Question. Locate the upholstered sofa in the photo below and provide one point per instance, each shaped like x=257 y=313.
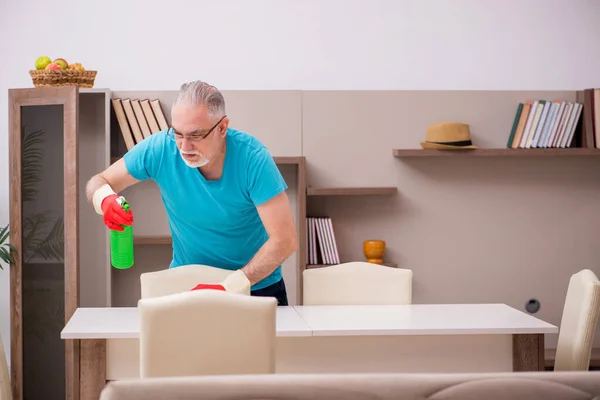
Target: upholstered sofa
x=488 y=386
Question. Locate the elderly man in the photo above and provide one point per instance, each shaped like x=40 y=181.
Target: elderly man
x=223 y=193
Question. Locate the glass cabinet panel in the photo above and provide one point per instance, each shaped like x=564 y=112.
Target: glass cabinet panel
x=42 y=251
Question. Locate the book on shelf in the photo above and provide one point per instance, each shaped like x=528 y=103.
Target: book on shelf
x=138 y=119
x=543 y=123
x=321 y=246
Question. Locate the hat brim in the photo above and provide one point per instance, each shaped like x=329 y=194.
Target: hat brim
x=428 y=145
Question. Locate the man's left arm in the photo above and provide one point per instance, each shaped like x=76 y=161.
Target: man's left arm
x=278 y=219
x=266 y=188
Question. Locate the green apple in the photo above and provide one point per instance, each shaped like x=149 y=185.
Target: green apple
x=42 y=62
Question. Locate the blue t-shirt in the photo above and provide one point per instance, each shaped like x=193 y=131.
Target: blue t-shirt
x=212 y=222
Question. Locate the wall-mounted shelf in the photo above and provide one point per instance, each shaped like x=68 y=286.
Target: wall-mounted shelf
x=350 y=191
x=288 y=160
x=152 y=239
x=499 y=152
x=387 y=264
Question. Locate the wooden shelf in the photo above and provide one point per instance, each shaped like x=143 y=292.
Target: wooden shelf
x=500 y=152
x=152 y=240
x=387 y=264
x=289 y=160
x=350 y=191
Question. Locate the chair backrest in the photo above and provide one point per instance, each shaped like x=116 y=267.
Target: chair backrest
x=179 y=279
x=357 y=283
x=578 y=322
x=207 y=332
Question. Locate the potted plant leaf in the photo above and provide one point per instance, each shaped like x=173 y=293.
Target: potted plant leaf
x=6 y=255
x=6 y=249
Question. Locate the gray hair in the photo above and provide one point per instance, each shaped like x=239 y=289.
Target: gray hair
x=198 y=93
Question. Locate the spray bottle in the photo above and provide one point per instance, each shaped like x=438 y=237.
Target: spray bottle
x=121 y=243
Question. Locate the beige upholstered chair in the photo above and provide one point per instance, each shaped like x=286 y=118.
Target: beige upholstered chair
x=357 y=283
x=180 y=279
x=5 y=388
x=578 y=323
x=207 y=332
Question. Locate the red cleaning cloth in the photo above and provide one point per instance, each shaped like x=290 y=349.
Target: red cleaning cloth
x=201 y=286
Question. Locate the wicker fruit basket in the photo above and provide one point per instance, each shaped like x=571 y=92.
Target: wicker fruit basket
x=67 y=77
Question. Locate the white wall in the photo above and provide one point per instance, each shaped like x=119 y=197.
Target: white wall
x=308 y=44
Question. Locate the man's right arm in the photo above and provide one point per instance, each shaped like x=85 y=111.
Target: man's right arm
x=141 y=162
x=112 y=180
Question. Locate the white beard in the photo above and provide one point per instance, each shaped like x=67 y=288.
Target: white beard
x=194 y=164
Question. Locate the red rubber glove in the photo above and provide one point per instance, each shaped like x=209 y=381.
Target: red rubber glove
x=202 y=286
x=114 y=214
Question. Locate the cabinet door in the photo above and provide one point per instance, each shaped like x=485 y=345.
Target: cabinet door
x=43 y=126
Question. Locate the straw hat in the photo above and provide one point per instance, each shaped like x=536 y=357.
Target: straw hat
x=448 y=135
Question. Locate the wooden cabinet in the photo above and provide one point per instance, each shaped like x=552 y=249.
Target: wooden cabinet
x=50 y=131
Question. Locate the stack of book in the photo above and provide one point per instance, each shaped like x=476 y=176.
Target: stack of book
x=544 y=124
x=321 y=246
x=555 y=123
x=138 y=119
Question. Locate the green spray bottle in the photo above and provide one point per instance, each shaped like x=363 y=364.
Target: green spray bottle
x=121 y=243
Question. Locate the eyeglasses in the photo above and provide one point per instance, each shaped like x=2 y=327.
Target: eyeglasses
x=194 y=137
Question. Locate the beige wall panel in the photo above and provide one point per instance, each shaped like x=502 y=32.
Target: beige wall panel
x=274 y=117
x=481 y=229
x=149 y=213
x=94 y=266
x=357 y=130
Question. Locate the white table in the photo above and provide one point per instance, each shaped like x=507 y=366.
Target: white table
x=403 y=338
x=421 y=319
x=124 y=323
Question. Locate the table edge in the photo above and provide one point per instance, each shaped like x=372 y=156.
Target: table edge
x=310 y=331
